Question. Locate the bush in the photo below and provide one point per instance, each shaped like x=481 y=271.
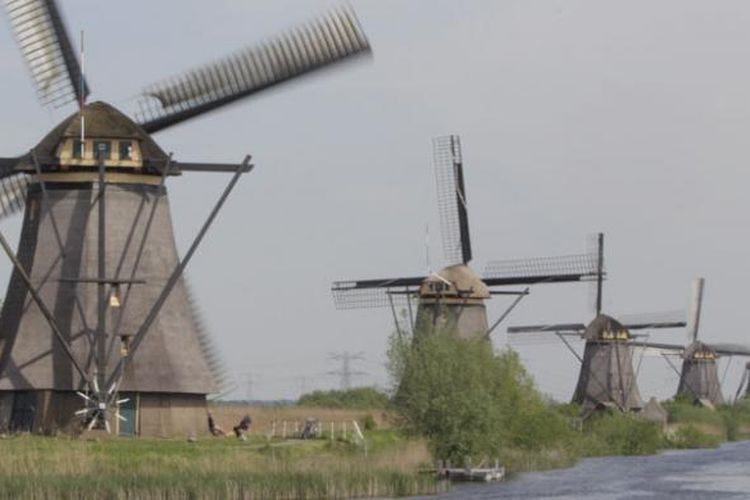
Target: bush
x=369 y=423
x=621 y=434
x=469 y=401
x=689 y=436
x=359 y=398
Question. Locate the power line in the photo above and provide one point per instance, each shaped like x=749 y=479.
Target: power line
x=345 y=372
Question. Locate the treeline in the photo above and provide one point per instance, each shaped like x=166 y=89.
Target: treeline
x=361 y=398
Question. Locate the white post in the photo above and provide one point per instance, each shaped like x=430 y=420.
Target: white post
x=273 y=429
x=332 y=431
x=284 y=430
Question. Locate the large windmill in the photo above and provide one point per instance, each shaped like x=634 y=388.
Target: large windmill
x=699 y=377
x=454 y=297
x=607 y=378
x=97 y=313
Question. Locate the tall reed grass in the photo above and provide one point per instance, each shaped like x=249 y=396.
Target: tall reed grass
x=44 y=467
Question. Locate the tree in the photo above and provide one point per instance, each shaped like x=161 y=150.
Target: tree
x=466 y=399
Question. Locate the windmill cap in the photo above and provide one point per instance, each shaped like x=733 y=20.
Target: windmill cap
x=605 y=327
x=462 y=279
x=101 y=121
x=699 y=350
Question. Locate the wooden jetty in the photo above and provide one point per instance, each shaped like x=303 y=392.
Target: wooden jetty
x=486 y=475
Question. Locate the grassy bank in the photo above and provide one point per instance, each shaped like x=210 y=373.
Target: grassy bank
x=44 y=467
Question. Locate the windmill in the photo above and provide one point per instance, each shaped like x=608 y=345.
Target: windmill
x=699 y=377
x=97 y=311
x=607 y=378
x=454 y=298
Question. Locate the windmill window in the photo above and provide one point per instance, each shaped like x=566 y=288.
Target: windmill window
x=126 y=150
x=102 y=150
x=77 y=149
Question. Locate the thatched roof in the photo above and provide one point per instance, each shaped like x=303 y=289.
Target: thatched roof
x=699 y=350
x=462 y=277
x=605 y=327
x=101 y=120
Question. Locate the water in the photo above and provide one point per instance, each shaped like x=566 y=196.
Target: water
x=723 y=473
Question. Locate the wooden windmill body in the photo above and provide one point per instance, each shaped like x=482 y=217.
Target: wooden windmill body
x=607 y=377
x=98 y=328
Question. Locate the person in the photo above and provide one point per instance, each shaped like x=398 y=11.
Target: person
x=214 y=429
x=240 y=430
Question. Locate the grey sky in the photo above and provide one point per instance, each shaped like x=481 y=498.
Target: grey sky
x=628 y=117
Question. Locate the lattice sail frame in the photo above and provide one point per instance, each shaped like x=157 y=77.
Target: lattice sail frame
x=579 y=264
x=13 y=194
x=331 y=38
x=451 y=198
x=345 y=298
x=43 y=40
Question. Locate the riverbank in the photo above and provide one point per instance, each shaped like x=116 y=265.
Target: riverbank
x=676 y=474
x=268 y=465
x=60 y=467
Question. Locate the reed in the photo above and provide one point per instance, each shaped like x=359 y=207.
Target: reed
x=45 y=467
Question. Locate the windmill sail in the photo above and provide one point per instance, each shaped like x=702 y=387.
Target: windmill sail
x=13 y=194
x=41 y=35
x=333 y=38
x=451 y=195
x=564 y=268
x=366 y=294
x=633 y=322
x=695 y=310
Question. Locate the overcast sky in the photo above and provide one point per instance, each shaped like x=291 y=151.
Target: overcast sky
x=627 y=117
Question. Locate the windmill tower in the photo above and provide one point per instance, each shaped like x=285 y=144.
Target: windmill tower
x=744 y=384
x=607 y=378
x=453 y=298
x=97 y=312
x=699 y=376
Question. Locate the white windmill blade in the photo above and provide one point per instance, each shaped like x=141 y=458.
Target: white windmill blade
x=83 y=396
x=695 y=310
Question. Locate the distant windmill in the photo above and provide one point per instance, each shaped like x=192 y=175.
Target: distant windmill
x=454 y=297
x=607 y=377
x=699 y=378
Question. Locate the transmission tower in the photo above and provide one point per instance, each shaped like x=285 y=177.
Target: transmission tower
x=345 y=372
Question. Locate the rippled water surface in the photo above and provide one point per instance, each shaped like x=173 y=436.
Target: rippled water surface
x=723 y=473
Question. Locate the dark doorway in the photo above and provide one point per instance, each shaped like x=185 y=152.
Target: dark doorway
x=24 y=410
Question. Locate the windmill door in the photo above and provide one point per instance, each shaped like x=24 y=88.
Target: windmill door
x=128 y=412
x=24 y=410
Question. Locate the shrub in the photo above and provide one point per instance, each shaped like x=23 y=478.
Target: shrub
x=689 y=436
x=359 y=398
x=621 y=434
x=469 y=401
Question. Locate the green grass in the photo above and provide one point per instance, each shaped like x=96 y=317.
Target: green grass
x=44 y=467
